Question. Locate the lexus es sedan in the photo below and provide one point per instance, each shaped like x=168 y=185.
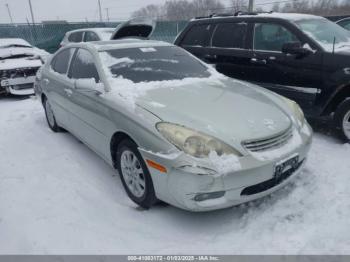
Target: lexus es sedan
x=174 y=128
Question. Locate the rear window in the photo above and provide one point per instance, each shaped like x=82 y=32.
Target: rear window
x=152 y=64
x=198 y=35
x=91 y=36
x=230 y=35
x=76 y=37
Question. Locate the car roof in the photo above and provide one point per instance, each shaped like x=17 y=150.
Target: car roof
x=94 y=29
x=119 y=44
x=283 y=16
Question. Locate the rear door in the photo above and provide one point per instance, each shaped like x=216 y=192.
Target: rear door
x=197 y=41
x=229 y=50
x=296 y=77
x=58 y=85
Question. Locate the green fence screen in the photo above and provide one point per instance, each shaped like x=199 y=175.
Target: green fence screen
x=49 y=35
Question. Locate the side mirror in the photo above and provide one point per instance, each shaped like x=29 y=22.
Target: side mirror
x=295 y=48
x=89 y=85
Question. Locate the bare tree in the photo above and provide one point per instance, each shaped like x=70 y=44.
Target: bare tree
x=149 y=11
x=238 y=5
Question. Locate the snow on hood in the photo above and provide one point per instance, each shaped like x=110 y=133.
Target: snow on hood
x=218 y=105
x=19 y=47
x=13 y=41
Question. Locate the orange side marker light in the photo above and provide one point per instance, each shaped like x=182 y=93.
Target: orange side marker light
x=157 y=166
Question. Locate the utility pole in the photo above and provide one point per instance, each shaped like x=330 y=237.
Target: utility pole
x=100 y=9
x=9 y=11
x=251 y=6
x=107 y=11
x=31 y=11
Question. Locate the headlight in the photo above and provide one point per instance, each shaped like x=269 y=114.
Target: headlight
x=193 y=142
x=298 y=113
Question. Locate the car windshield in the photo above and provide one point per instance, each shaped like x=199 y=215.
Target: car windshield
x=153 y=64
x=326 y=33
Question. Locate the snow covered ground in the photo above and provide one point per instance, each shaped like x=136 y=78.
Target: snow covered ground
x=58 y=197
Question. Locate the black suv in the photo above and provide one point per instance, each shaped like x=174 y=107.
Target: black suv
x=303 y=57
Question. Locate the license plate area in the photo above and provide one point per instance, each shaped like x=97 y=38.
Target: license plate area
x=18 y=81
x=286 y=168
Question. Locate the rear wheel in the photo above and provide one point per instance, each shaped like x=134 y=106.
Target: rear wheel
x=342 y=118
x=50 y=117
x=134 y=174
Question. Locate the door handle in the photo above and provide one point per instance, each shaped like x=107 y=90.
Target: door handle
x=69 y=92
x=210 y=57
x=258 y=61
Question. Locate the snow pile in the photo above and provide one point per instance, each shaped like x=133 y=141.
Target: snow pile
x=225 y=164
x=58 y=197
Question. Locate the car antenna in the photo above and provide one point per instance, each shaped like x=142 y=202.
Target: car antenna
x=334 y=45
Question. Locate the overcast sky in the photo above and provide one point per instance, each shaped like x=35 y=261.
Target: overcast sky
x=76 y=10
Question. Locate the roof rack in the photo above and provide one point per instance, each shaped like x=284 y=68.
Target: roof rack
x=238 y=13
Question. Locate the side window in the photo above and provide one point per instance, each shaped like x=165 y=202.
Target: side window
x=230 y=35
x=60 y=62
x=83 y=66
x=271 y=37
x=198 y=35
x=76 y=37
x=90 y=36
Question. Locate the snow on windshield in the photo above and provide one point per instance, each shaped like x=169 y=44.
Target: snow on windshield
x=132 y=72
x=326 y=33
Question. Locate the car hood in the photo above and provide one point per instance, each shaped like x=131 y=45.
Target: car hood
x=228 y=109
x=9 y=52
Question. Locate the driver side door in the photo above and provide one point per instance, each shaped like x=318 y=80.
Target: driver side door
x=89 y=113
x=296 y=77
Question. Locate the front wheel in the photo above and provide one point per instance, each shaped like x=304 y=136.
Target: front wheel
x=342 y=119
x=50 y=117
x=134 y=174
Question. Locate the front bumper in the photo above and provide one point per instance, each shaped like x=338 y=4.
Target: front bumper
x=19 y=86
x=186 y=186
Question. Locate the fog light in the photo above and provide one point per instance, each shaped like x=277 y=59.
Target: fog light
x=206 y=196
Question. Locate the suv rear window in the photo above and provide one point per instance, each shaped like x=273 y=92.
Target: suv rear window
x=230 y=35
x=198 y=35
x=76 y=37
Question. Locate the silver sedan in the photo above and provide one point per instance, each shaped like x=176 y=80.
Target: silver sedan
x=174 y=128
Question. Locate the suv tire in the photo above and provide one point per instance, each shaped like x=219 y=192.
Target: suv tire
x=342 y=120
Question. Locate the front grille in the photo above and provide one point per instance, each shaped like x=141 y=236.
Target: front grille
x=266 y=185
x=269 y=143
x=19 y=72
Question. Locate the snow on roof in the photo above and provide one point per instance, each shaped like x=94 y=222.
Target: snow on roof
x=94 y=29
x=126 y=43
x=286 y=16
x=13 y=41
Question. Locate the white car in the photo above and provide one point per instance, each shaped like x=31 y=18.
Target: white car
x=19 y=63
x=87 y=35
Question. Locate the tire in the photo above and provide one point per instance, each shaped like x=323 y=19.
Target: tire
x=50 y=117
x=342 y=120
x=134 y=174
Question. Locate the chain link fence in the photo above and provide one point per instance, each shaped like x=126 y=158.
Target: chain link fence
x=49 y=35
